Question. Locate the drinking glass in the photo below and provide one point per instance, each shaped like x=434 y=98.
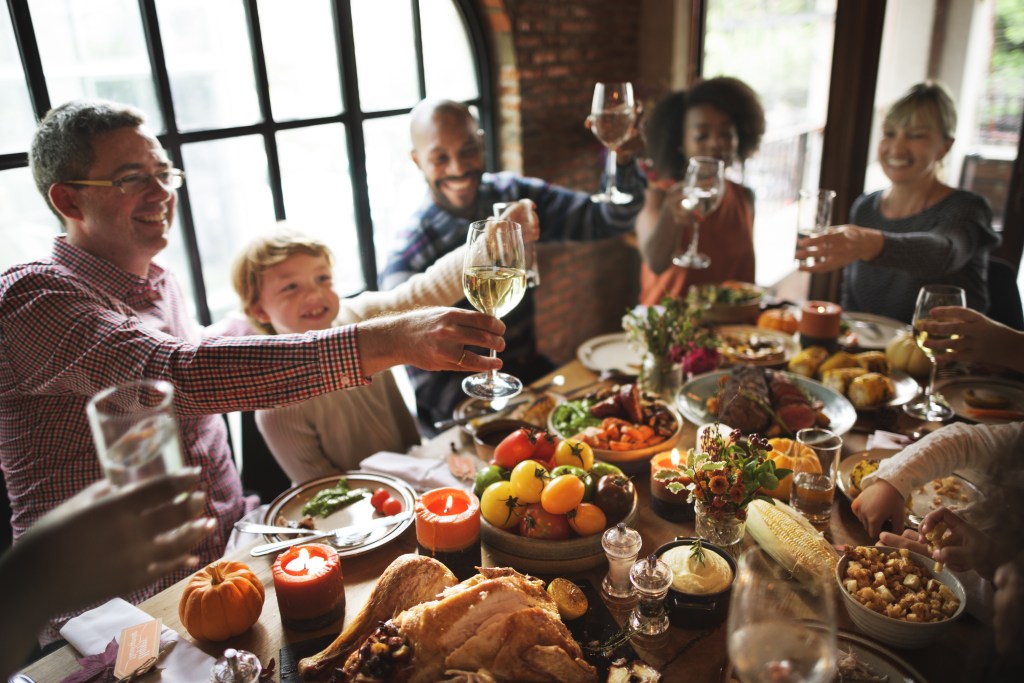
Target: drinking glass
x=932 y=406
x=494 y=279
x=814 y=488
x=705 y=185
x=612 y=115
x=780 y=630
x=532 y=270
x=814 y=216
x=135 y=430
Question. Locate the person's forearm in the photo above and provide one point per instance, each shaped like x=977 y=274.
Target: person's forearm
x=657 y=232
x=25 y=608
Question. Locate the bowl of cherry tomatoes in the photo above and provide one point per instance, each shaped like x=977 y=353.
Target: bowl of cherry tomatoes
x=545 y=502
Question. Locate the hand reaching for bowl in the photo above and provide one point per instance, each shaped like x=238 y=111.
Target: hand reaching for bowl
x=879 y=503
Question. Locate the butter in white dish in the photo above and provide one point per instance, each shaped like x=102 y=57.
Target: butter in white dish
x=691 y=575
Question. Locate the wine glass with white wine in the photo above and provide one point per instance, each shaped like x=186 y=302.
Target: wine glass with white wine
x=702 y=193
x=932 y=406
x=781 y=630
x=494 y=279
x=612 y=115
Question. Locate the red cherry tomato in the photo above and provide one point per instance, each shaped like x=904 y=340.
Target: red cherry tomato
x=391 y=506
x=378 y=498
x=514 y=448
x=539 y=523
x=544 y=448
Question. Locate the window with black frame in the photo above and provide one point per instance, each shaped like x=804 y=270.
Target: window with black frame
x=274 y=109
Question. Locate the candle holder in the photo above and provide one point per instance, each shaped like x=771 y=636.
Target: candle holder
x=448 y=529
x=621 y=544
x=669 y=487
x=820 y=323
x=309 y=586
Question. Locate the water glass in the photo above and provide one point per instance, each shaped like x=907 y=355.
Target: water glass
x=814 y=215
x=135 y=430
x=814 y=488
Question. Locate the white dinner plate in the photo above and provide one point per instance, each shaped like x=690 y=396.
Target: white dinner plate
x=953 y=391
x=610 y=352
x=287 y=507
x=872 y=332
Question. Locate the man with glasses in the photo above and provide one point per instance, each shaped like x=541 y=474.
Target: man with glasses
x=448 y=148
x=99 y=312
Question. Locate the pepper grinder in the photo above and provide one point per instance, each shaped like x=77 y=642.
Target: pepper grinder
x=621 y=544
x=236 y=666
x=651 y=577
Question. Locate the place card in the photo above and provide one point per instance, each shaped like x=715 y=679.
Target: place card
x=138 y=648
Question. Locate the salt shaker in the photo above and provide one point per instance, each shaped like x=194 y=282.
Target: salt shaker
x=651 y=577
x=236 y=666
x=621 y=544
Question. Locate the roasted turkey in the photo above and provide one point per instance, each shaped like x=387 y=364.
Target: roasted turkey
x=498 y=625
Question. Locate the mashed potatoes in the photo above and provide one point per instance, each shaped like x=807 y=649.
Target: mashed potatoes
x=689 y=575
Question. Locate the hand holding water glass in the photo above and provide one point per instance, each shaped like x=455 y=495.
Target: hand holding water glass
x=612 y=115
x=932 y=406
x=780 y=630
x=135 y=430
x=814 y=216
x=702 y=193
x=494 y=279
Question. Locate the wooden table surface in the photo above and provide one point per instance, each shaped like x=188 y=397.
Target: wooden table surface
x=681 y=654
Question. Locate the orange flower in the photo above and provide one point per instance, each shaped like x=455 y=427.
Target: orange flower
x=719 y=484
x=736 y=493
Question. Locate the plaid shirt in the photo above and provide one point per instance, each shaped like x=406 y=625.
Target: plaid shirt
x=74 y=324
x=563 y=214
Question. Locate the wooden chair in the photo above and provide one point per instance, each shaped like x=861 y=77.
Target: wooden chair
x=1004 y=294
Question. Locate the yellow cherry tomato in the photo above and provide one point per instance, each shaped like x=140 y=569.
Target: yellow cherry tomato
x=527 y=481
x=587 y=519
x=499 y=506
x=575 y=453
x=562 y=494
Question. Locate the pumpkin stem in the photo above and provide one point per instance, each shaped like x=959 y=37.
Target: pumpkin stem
x=216 y=576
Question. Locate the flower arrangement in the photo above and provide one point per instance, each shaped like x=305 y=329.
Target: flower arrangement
x=672 y=331
x=726 y=474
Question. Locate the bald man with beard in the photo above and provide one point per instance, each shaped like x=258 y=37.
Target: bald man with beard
x=448 y=148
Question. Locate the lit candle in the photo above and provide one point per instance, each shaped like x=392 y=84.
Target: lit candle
x=819 y=323
x=666 y=503
x=448 y=529
x=309 y=586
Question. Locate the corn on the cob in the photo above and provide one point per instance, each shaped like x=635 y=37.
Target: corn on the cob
x=791 y=540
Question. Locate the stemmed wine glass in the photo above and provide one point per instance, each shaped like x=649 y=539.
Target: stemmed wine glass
x=702 y=193
x=780 y=629
x=612 y=115
x=932 y=406
x=494 y=278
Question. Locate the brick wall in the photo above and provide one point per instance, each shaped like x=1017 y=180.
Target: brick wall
x=547 y=56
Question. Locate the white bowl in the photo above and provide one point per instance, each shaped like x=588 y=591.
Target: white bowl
x=896 y=632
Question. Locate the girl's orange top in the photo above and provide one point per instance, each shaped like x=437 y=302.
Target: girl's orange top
x=726 y=236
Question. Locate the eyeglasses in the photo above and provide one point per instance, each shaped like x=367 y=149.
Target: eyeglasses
x=137 y=183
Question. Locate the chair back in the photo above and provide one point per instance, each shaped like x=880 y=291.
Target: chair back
x=260 y=472
x=1004 y=294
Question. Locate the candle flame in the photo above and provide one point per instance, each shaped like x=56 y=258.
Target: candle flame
x=675 y=457
x=447 y=505
x=821 y=309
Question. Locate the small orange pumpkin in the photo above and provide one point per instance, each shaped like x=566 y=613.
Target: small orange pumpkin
x=223 y=600
x=783 y=457
x=781 y=319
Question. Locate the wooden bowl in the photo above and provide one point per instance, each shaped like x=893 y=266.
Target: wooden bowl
x=488 y=435
x=538 y=556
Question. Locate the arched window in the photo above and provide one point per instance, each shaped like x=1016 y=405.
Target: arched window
x=275 y=110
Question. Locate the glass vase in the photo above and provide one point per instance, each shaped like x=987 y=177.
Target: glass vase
x=721 y=527
x=660 y=376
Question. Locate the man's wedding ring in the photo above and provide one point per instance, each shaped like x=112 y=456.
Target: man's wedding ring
x=462 y=357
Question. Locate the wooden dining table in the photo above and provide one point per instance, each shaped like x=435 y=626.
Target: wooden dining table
x=680 y=653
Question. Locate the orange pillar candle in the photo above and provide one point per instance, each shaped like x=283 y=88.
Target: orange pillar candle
x=819 y=323
x=448 y=529
x=666 y=503
x=309 y=586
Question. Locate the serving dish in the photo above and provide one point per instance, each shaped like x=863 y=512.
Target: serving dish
x=693 y=611
x=906 y=388
x=730 y=302
x=693 y=397
x=528 y=407
x=871 y=332
x=287 y=508
x=750 y=345
x=893 y=631
x=541 y=556
x=954 y=391
x=610 y=352
x=635 y=461
x=923 y=499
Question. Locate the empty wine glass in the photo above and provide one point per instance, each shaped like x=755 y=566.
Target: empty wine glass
x=494 y=278
x=702 y=193
x=612 y=115
x=932 y=406
x=781 y=630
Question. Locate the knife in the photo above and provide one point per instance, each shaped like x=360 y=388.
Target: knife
x=268 y=548
x=253 y=528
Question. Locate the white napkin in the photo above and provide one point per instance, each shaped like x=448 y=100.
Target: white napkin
x=882 y=439
x=91 y=632
x=422 y=474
